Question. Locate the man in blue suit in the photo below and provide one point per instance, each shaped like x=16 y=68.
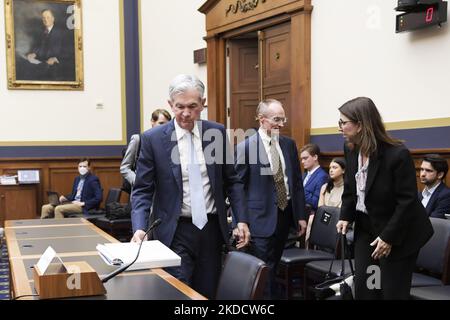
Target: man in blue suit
x=435 y=196
x=185 y=170
x=314 y=177
x=86 y=194
x=269 y=166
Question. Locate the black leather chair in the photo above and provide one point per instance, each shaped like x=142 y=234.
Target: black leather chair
x=431 y=293
x=113 y=196
x=322 y=240
x=120 y=229
x=243 y=277
x=433 y=262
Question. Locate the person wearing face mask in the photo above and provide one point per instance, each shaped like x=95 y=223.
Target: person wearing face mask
x=86 y=195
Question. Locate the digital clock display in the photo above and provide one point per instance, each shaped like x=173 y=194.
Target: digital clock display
x=427 y=16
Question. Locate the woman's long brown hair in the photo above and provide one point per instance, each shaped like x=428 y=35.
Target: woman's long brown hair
x=362 y=110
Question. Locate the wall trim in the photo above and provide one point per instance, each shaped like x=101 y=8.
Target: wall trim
x=129 y=48
x=399 y=125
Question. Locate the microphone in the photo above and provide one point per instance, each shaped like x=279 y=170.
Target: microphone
x=155 y=223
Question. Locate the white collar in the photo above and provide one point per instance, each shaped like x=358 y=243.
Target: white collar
x=312 y=171
x=266 y=138
x=432 y=189
x=181 y=132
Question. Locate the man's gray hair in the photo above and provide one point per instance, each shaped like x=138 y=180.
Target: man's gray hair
x=264 y=105
x=185 y=82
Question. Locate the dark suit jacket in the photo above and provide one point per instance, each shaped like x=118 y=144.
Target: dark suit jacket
x=260 y=189
x=50 y=45
x=439 y=203
x=395 y=213
x=313 y=186
x=91 y=194
x=157 y=174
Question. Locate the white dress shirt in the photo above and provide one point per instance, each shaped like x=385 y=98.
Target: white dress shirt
x=266 y=142
x=183 y=148
x=427 y=193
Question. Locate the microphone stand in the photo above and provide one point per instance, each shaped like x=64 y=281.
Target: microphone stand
x=155 y=223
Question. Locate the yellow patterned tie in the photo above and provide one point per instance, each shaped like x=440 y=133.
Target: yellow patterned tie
x=278 y=176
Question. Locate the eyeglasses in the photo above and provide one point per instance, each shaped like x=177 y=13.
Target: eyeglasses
x=342 y=123
x=278 y=120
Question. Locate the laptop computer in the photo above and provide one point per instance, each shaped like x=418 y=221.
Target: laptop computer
x=53 y=199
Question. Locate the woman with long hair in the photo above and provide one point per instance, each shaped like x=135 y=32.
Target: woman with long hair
x=380 y=197
x=330 y=192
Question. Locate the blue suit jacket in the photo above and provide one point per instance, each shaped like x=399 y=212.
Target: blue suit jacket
x=260 y=188
x=91 y=194
x=439 y=203
x=313 y=186
x=158 y=174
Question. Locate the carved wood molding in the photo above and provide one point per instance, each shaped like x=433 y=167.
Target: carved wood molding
x=243 y=6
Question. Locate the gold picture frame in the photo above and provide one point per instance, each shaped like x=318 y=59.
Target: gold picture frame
x=44 y=44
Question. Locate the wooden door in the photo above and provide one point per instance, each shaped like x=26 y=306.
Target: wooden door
x=244 y=83
x=276 y=68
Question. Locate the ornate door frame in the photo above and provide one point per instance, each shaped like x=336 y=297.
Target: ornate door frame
x=230 y=18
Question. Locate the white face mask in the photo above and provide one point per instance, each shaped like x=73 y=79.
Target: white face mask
x=83 y=170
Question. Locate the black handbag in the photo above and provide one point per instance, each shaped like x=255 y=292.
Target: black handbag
x=339 y=286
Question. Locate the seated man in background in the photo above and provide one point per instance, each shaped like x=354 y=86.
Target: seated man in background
x=86 y=194
x=435 y=196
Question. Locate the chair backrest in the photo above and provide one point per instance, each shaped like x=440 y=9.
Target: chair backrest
x=323 y=229
x=243 y=277
x=435 y=254
x=113 y=195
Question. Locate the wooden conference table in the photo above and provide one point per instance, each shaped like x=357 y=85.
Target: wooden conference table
x=75 y=239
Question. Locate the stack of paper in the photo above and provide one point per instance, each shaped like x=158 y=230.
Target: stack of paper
x=154 y=254
x=8 y=180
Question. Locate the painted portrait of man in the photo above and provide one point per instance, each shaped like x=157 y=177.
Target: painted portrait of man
x=44 y=35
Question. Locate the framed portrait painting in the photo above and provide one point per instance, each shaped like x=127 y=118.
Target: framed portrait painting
x=44 y=45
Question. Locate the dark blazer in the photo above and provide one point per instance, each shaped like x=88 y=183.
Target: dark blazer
x=313 y=186
x=393 y=206
x=91 y=194
x=439 y=203
x=158 y=173
x=50 y=45
x=260 y=188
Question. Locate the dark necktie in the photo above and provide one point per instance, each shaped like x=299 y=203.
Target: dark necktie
x=278 y=176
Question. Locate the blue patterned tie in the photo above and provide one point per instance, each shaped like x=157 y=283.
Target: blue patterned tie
x=198 y=207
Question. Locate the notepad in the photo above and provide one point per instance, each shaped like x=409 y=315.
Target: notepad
x=154 y=254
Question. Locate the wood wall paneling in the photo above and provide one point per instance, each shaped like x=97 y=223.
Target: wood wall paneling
x=417 y=155
x=58 y=174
